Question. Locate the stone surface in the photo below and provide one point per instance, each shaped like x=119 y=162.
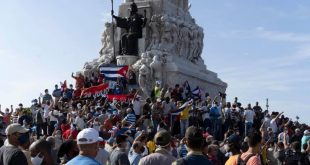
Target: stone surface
x=169 y=50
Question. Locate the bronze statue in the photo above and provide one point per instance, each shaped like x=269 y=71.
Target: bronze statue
x=133 y=25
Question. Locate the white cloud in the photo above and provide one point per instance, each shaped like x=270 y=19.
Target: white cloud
x=261 y=32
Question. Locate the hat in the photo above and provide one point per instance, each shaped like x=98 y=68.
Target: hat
x=297 y=130
x=158 y=100
x=162 y=138
x=306 y=132
x=88 y=136
x=233 y=139
x=13 y=128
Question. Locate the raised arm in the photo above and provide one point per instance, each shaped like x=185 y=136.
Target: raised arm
x=11 y=109
x=1 y=111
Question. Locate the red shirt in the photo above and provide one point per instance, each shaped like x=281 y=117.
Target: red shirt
x=70 y=134
x=64 y=127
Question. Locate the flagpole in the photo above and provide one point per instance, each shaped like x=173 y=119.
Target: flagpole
x=113 y=32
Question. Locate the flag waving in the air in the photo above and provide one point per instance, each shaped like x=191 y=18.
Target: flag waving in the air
x=113 y=72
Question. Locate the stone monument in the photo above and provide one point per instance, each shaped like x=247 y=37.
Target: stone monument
x=168 y=49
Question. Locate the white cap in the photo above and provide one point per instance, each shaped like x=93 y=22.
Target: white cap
x=306 y=132
x=88 y=136
x=13 y=128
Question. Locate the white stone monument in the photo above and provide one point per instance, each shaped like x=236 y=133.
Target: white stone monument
x=169 y=51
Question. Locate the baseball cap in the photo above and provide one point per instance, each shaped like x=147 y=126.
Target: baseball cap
x=13 y=128
x=162 y=138
x=88 y=136
x=306 y=132
x=233 y=139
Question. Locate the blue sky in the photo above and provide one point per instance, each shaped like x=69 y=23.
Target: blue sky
x=260 y=48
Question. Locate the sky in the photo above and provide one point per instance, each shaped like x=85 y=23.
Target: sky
x=260 y=48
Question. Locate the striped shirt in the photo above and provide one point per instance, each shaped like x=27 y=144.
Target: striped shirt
x=130 y=118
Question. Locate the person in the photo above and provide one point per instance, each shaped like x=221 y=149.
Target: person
x=51 y=141
x=41 y=153
x=57 y=93
x=67 y=151
x=119 y=155
x=87 y=141
x=297 y=136
x=252 y=155
x=305 y=138
x=162 y=154
x=47 y=97
x=136 y=154
x=184 y=117
x=136 y=103
x=279 y=153
x=6 y=115
x=232 y=148
x=249 y=115
x=292 y=154
x=10 y=154
x=102 y=155
x=193 y=140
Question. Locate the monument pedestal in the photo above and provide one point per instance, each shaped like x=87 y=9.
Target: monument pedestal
x=126 y=60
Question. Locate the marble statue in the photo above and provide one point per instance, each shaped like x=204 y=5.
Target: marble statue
x=155 y=34
x=157 y=68
x=107 y=50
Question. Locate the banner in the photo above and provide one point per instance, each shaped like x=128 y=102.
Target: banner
x=96 y=91
x=117 y=97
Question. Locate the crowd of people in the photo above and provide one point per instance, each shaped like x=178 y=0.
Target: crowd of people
x=169 y=127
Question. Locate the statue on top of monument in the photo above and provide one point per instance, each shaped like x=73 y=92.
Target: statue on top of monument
x=133 y=25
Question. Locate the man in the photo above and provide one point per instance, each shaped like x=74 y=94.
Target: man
x=119 y=154
x=10 y=154
x=57 y=93
x=305 y=138
x=297 y=136
x=162 y=155
x=41 y=153
x=6 y=115
x=136 y=105
x=46 y=97
x=249 y=119
x=184 y=118
x=194 y=140
x=102 y=155
x=87 y=141
x=136 y=153
x=252 y=156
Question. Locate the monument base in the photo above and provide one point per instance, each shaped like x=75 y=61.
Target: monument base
x=126 y=60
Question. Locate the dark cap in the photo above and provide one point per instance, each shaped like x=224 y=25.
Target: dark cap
x=193 y=133
x=233 y=139
x=121 y=138
x=162 y=138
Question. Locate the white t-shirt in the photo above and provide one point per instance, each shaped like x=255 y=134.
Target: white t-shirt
x=167 y=107
x=136 y=107
x=249 y=115
x=206 y=114
x=79 y=122
x=46 y=111
x=274 y=126
x=281 y=138
x=53 y=117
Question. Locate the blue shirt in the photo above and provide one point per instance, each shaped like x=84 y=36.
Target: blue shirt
x=81 y=160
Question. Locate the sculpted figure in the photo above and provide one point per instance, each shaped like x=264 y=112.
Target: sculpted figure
x=155 y=38
x=133 y=26
x=157 y=68
x=144 y=77
x=185 y=41
x=107 y=51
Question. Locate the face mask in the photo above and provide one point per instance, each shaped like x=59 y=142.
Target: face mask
x=226 y=148
x=23 y=138
x=37 y=160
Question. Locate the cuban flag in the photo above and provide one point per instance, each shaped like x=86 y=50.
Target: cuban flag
x=182 y=108
x=196 y=93
x=113 y=72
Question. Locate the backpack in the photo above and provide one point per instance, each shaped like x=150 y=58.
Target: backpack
x=245 y=161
